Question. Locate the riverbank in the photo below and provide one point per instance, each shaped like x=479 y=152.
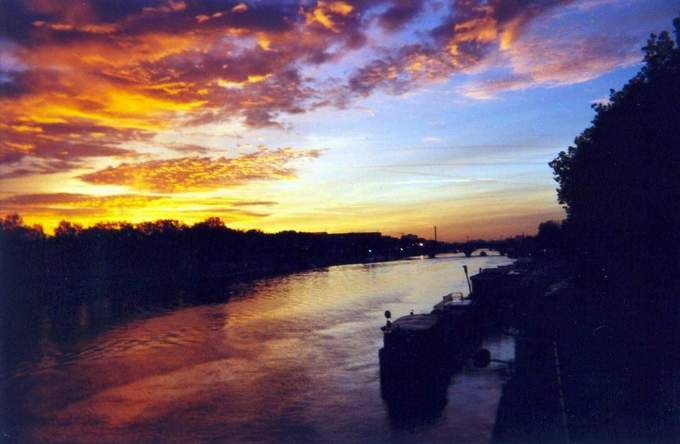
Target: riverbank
x=582 y=375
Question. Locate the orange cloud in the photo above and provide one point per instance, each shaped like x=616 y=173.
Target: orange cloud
x=136 y=70
x=50 y=208
x=152 y=68
x=241 y=7
x=85 y=84
x=328 y=14
x=472 y=31
x=202 y=173
x=549 y=62
x=73 y=200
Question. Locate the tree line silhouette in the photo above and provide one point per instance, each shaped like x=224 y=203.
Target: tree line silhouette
x=172 y=252
x=620 y=186
x=618 y=328
x=169 y=252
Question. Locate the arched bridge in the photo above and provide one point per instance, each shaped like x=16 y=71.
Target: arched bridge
x=503 y=247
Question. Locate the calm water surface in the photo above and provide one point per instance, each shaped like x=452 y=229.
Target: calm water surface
x=290 y=359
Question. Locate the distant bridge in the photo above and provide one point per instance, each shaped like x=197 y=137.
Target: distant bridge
x=467 y=248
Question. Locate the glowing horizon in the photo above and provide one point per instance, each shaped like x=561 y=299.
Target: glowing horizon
x=390 y=115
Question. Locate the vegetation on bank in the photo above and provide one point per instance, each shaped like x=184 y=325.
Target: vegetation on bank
x=171 y=253
x=620 y=186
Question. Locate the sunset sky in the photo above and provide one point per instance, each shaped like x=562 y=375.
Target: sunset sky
x=382 y=115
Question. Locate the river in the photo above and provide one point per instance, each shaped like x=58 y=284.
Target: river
x=283 y=359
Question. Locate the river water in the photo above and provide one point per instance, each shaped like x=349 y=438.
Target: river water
x=284 y=359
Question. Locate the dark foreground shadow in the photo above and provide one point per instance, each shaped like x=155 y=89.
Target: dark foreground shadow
x=530 y=408
x=415 y=400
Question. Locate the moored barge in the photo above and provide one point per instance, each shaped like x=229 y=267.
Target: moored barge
x=421 y=350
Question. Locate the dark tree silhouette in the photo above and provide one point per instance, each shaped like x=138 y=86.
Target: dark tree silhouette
x=548 y=240
x=620 y=184
x=169 y=252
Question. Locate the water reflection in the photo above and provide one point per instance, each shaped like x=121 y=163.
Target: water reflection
x=290 y=358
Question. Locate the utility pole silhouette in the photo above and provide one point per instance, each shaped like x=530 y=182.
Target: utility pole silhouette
x=433 y=249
